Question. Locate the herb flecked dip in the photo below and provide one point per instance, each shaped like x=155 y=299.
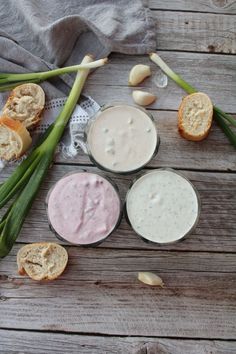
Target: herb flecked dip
x=162 y=206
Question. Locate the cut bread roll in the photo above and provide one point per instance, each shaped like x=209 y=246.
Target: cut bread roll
x=25 y=104
x=42 y=261
x=14 y=139
x=195 y=116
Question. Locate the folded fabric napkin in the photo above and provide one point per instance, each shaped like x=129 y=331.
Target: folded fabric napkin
x=38 y=35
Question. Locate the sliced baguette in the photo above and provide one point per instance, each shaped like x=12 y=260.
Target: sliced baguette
x=42 y=261
x=195 y=116
x=14 y=139
x=25 y=104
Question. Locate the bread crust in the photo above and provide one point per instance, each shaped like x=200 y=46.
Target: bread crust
x=25 y=104
x=188 y=126
x=22 y=137
x=34 y=260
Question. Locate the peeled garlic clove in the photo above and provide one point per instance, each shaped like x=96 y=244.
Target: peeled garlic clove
x=143 y=98
x=150 y=279
x=138 y=73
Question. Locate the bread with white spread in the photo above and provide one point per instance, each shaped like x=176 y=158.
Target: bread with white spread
x=195 y=116
x=42 y=261
x=14 y=139
x=25 y=104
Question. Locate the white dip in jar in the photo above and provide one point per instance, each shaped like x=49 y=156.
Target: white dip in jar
x=162 y=206
x=122 y=138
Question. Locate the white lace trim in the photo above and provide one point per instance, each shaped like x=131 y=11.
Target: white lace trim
x=73 y=137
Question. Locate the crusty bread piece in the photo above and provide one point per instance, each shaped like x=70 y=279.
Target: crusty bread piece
x=25 y=104
x=14 y=138
x=195 y=116
x=42 y=261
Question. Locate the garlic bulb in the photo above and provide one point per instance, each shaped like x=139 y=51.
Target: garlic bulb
x=150 y=279
x=143 y=98
x=138 y=73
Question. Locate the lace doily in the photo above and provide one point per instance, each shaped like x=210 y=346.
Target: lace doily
x=72 y=139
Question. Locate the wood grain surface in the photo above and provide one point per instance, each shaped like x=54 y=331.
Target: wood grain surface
x=210 y=154
x=210 y=73
x=14 y=342
x=212 y=6
x=196 y=32
x=100 y=293
x=98 y=305
x=216 y=231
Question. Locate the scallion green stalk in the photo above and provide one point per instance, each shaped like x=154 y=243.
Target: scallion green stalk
x=27 y=178
x=223 y=119
x=10 y=80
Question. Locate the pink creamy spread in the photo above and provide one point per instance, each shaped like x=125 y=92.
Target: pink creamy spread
x=83 y=208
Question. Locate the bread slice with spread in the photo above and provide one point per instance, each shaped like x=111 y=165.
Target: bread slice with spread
x=42 y=261
x=25 y=104
x=14 y=139
x=195 y=116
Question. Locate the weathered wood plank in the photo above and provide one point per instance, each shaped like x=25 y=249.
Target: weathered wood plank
x=209 y=73
x=216 y=230
x=214 y=153
x=94 y=263
x=215 y=6
x=99 y=293
x=175 y=151
x=40 y=343
x=197 y=32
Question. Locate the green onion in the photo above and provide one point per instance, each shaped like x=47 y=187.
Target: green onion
x=224 y=120
x=29 y=175
x=10 y=80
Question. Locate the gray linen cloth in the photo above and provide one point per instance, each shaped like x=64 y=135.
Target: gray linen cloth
x=37 y=35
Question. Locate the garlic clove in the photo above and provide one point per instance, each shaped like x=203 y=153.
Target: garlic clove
x=150 y=279
x=143 y=98
x=138 y=73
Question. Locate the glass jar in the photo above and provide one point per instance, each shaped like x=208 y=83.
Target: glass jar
x=84 y=208
x=163 y=211
x=121 y=138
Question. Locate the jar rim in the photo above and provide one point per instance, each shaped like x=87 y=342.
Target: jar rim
x=96 y=116
x=193 y=227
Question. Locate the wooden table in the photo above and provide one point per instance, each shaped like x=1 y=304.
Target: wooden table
x=98 y=305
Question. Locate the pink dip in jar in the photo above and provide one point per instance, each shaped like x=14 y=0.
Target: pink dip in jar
x=83 y=208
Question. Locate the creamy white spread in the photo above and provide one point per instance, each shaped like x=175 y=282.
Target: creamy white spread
x=83 y=208
x=162 y=206
x=122 y=138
